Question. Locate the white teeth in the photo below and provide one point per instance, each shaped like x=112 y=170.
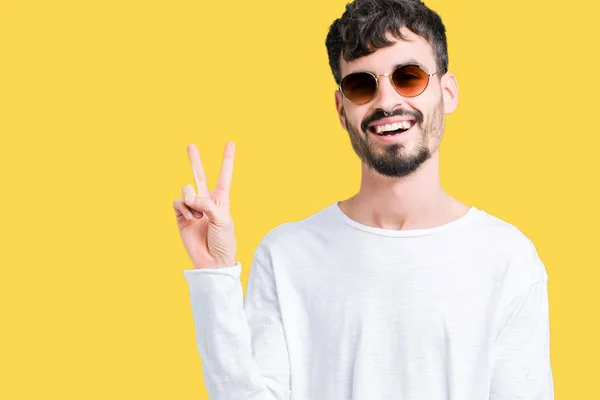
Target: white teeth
x=392 y=127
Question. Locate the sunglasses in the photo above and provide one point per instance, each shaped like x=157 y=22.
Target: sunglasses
x=408 y=80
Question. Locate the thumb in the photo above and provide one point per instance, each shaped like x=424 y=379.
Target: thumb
x=202 y=204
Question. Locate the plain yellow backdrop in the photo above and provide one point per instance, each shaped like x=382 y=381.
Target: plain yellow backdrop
x=98 y=100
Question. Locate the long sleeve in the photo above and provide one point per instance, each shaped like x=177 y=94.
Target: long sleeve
x=241 y=342
x=521 y=353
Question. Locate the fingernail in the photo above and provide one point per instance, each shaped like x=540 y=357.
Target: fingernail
x=188 y=215
x=189 y=199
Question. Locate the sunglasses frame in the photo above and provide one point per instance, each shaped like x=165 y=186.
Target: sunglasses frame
x=389 y=75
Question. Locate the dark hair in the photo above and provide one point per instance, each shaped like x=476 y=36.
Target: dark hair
x=362 y=28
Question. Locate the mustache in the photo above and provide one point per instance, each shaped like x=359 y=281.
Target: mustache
x=381 y=114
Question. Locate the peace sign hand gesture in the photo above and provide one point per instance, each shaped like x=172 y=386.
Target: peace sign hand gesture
x=204 y=220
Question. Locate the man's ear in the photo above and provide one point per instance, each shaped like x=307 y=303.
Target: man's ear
x=339 y=105
x=449 y=92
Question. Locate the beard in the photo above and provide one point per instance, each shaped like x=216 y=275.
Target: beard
x=395 y=159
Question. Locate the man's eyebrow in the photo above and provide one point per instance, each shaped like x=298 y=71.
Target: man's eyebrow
x=410 y=61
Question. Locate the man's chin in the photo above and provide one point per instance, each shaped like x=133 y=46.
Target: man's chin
x=398 y=165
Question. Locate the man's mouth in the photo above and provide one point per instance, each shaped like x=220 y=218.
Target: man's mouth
x=391 y=129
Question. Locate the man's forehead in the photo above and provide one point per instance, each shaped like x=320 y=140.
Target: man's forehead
x=415 y=49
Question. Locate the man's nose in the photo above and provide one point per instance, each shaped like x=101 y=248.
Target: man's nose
x=387 y=97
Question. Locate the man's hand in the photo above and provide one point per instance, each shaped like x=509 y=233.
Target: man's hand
x=204 y=220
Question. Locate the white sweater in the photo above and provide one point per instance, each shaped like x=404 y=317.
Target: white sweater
x=337 y=310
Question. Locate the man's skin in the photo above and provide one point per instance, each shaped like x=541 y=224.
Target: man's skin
x=401 y=202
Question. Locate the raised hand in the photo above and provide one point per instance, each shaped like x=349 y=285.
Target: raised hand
x=204 y=220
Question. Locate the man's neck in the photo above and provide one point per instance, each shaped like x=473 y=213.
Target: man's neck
x=416 y=201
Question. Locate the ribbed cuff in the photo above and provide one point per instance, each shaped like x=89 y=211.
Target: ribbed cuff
x=233 y=271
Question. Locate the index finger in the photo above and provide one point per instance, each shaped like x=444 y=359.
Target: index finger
x=197 y=170
x=224 y=183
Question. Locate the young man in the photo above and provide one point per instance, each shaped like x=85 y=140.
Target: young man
x=399 y=292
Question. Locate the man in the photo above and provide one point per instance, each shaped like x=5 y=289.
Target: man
x=399 y=292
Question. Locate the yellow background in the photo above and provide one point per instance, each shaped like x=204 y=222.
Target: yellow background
x=98 y=100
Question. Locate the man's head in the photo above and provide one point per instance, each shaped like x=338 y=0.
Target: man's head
x=374 y=36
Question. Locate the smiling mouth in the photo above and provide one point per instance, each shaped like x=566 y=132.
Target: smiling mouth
x=391 y=129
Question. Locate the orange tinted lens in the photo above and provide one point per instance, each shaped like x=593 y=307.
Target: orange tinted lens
x=359 y=87
x=410 y=80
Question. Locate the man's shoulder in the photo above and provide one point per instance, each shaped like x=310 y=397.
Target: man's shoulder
x=514 y=248
x=296 y=232
x=501 y=233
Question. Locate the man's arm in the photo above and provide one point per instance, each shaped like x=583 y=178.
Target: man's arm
x=521 y=354
x=241 y=343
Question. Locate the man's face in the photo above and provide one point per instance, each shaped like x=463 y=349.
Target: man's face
x=401 y=154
